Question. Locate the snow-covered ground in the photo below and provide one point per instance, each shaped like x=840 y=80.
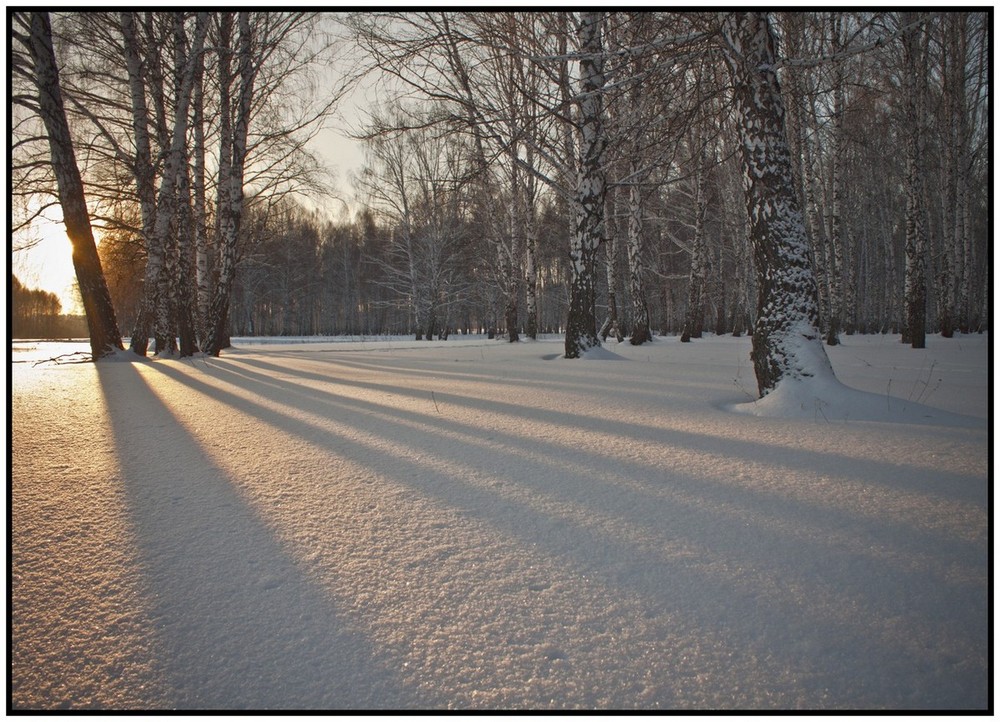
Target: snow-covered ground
x=473 y=524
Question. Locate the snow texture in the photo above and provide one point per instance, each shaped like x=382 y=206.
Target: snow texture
x=475 y=525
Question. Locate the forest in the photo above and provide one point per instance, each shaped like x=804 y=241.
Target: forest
x=590 y=173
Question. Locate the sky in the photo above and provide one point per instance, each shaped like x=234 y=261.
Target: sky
x=48 y=265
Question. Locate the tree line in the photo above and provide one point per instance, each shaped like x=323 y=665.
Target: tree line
x=35 y=313
x=596 y=174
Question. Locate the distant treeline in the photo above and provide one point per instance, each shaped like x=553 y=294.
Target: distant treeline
x=35 y=313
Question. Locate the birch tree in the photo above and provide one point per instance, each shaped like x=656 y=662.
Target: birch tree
x=914 y=83
x=786 y=337
x=230 y=192
x=155 y=313
x=699 y=252
x=588 y=206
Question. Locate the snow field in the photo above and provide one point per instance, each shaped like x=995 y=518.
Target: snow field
x=473 y=524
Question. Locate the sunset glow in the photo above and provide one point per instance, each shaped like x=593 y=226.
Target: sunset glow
x=49 y=265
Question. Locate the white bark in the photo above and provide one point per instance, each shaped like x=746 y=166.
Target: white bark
x=581 y=331
x=231 y=192
x=173 y=168
x=637 y=290
x=914 y=80
x=786 y=338
x=202 y=240
x=145 y=184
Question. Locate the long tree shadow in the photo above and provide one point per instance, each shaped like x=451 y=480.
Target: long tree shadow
x=549 y=458
x=696 y=590
x=952 y=486
x=240 y=625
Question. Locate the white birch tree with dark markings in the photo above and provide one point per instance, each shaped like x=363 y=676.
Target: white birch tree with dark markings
x=786 y=336
x=588 y=205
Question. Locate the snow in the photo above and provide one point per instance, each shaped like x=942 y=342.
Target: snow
x=472 y=524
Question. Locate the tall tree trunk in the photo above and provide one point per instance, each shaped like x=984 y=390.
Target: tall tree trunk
x=145 y=184
x=581 y=329
x=154 y=312
x=202 y=240
x=530 y=271
x=509 y=253
x=231 y=210
x=915 y=285
x=960 y=242
x=640 y=311
x=153 y=73
x=786 y=338
x=612 y=324
x=698 y=276
x=946 y=251
x=105 y=337
x=836 y=266
x=803 y=165
x=183 y=296
x=174 y=175
x=851 y=304
x=817 y=233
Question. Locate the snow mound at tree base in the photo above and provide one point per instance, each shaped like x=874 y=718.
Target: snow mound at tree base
x=824 y=398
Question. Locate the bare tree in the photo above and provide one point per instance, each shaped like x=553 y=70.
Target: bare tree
x=697 y=284
x=581 y=330
x=915 y=83
x=786 y=337
x=36 y=35
x=156 y=311
x=414 y=179
x=230 y=204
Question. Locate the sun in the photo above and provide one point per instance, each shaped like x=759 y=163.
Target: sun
x=48 y=264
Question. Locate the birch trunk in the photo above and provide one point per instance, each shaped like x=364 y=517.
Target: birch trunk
x=144 y=176
x=531 y=271
x=836 y=266
x=960 y=241
x=104 y=335
x=183 y=287
x=800 y=143
x=174 y=168
x=202 y=240
x=640 y=311
x=698 y=277
x=612 y=324
x=581 y=331
x=507 y=254
x=786 y=338
x=915 y=288
x=816 y=233
x=231 y=204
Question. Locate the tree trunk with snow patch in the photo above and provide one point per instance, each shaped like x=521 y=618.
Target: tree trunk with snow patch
x=786 y=337
x=612 y=324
